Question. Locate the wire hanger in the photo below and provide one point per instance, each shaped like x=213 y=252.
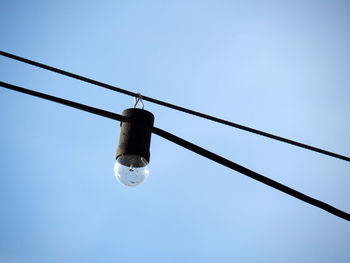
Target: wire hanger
x=138 y=99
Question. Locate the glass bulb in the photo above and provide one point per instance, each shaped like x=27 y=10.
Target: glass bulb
x=131 y=169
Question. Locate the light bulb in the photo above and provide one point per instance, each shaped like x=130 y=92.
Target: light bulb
x=131 y=169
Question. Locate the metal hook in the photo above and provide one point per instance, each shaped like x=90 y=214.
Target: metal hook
x=137 y=100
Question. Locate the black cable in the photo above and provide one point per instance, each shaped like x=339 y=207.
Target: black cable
x=175 y=107
x=69 y=103
x=194 y=148
x=265 y=180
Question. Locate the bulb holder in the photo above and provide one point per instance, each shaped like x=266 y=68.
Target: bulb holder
x=135 y=134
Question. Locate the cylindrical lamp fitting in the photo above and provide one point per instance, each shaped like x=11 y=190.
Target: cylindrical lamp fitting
x=135 y=134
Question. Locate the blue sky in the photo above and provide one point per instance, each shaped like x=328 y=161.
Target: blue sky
x=278 y=66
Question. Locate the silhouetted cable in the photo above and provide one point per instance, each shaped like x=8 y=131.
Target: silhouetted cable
x=69 y=103
x=192 y=147
x=196 y=113
x=254 y=175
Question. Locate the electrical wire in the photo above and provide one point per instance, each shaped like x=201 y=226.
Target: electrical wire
x=175 y=107
x=254 y=175
x=194 y=148
x=69 y=103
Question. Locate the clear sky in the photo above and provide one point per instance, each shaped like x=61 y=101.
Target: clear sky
x=279 y=66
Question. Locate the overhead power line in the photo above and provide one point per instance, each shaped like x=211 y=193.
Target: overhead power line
x=175 y=107
x=69 y=103
x=192 y=147
x=254 y=175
